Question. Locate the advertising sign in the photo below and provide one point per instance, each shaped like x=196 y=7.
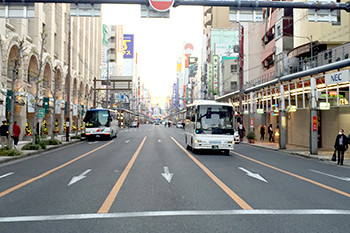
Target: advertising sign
x=128 y=46
x=216 y=73
x=161 y=5
x=210 y=77
x=120 y=45
x=337 y=77
x=314 y=123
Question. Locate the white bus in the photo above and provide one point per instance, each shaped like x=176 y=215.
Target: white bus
x=101 y=123
x=209 y=125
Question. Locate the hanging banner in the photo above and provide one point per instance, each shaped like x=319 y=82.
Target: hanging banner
x=75 y=110
x=31 y=99
x=58 y=107
x=46 y=105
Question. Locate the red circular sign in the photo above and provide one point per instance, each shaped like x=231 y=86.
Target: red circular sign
x=161 y=5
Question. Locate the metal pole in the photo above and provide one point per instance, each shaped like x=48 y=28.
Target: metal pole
x=283 y=121
x=68 y=80
x=94 y=92
x=107 y=82
x=313 y=120
x=241 y=74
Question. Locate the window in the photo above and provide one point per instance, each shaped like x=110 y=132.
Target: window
x=233 y=68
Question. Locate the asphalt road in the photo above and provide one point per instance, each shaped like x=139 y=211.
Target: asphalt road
x=145 y=181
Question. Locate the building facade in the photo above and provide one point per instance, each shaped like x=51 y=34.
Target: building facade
x=52 y=68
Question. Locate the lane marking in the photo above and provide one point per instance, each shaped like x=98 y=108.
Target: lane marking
x=90 y=143
x=254 y=175
x=173 y=213
x=326 y=174
x=76 y=179
x=50 y=171
x=115 y=190
x=294 y=175
x=7 y=174
x=127 y=141
x=167 y=175
x=224 y=187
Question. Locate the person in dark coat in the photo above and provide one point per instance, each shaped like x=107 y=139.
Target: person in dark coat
x=262 y=132
x=270 y=132
x=341 y=145
x=4 y=134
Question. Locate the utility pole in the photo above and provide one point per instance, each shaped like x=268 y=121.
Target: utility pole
x=68 y=80
x=107 y=82
x=241 y=28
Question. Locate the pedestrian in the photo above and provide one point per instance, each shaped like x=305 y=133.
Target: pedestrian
x=16 y=133
x=341 y=145
x=241 y=131
x=262 y=132
x=270 y=132
x=4 y=134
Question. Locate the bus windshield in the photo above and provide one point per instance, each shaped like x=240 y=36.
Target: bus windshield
x=96 y=119
x=214 y=119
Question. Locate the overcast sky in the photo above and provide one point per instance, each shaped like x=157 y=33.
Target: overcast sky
x=158 y=42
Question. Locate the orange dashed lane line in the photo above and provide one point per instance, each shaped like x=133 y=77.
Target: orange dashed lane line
x=224 y=187
x=50 y=171
x=296 y=176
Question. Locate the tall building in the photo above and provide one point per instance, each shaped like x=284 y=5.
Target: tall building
x=53 y=20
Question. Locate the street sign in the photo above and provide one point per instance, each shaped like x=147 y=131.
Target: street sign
x=161 y=5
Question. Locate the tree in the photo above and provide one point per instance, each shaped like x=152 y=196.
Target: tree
x=14 y=92
x=54 y=96
x=37 y=80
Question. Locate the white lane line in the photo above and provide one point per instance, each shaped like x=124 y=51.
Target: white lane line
x=159 y=140
x=7 y=174
x=93 y=142
x=174 y=213
x=127 y=141
x=336 y=177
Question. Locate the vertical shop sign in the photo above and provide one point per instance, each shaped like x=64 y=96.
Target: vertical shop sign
x=128 y=46
x=210 y=77
x=215 y=74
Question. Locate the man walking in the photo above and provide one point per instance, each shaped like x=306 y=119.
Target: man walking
x=341 y=145
x=4 y=134
x=16 y=133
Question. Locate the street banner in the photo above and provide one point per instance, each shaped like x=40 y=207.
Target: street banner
x=30 y=105
x=58 y=107
x=46 y=105
x=215 y=74
x=210 y=77
x=75 y=110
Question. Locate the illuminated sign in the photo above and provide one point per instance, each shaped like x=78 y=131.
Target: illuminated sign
x=324 y=106
x=245 y=112
x=292 y=108
x=260 y=111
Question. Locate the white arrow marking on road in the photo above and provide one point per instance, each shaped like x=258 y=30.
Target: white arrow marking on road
x=159 y=140
x=8 y=174
x=254 y=175
x=80 y=177
x=127 y=141
x=168 y=176
x=337 y=177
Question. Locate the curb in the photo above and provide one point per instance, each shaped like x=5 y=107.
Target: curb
x=28 y=153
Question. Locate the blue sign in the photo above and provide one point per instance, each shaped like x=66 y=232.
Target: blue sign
x=128 y=46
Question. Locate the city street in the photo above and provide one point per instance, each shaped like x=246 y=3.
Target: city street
x=146 y=181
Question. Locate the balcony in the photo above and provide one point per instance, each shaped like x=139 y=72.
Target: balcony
x=268 y=51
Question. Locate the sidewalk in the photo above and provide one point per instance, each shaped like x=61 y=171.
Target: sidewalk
x=324 y=155
x=26 y=153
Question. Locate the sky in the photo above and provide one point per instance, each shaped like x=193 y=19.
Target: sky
x=158 y=42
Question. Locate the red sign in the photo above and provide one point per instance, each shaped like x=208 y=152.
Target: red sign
x=314 y=123
x=251 y=122
x=161 y=5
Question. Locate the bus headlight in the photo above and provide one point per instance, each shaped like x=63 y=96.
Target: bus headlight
x=197 y=141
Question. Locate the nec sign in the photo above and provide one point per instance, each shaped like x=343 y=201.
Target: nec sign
x=337 y=77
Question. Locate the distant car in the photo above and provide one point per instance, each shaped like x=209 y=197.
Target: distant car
x=236 y=137
x=156 y=123
x=134 y=124
x=179 y=125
